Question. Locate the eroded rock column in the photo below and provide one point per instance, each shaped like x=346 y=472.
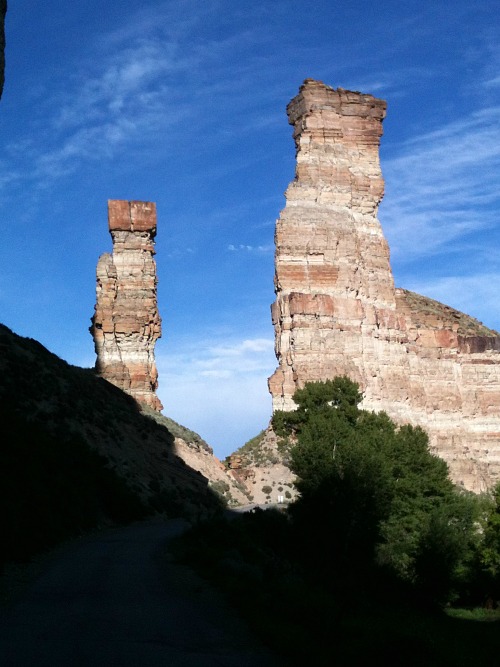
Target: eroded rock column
x=126 y=323
x=332 y=260
x=337 y=311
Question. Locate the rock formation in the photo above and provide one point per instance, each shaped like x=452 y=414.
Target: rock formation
x=337 y=311
x=262 y=468
x=126 y=323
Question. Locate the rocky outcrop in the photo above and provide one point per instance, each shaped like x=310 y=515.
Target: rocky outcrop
x=190 y=448
x=337 y=311
x=228 y=487
x=261 y=466
x=126 y=323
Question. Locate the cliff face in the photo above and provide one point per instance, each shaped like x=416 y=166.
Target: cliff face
x=126 y=323
x=337 y=311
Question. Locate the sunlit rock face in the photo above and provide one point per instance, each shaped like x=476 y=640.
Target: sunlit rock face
x=337 y=311
x=126 y=323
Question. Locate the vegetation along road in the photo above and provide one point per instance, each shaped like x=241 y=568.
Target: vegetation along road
x=117 y=599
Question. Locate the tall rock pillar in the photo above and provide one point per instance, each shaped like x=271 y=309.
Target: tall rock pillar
x=126 y=323
x=332 y=260
x=337 y=311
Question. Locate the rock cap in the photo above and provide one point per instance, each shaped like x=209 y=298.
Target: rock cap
x=132 y=216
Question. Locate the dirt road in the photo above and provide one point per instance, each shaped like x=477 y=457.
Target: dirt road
x=115 y=599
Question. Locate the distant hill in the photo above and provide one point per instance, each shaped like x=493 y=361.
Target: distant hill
x=261 y=466
x=76 y=452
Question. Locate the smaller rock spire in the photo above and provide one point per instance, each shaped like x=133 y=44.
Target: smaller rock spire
x=126 y=323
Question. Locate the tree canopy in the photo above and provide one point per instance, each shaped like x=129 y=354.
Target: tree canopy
x=372 y=493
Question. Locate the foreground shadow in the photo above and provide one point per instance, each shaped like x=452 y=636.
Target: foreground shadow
x=77 y=452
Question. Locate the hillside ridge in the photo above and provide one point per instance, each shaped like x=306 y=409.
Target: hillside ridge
x=143 y=448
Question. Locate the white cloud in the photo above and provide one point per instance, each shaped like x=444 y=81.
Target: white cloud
x=492 y=83
x=219 y=388
x=179 y=253
x=132 y=86
x=392 y=83
x=142 y=80
x=225 y=413
x=443 y=186
x=250 y=248
x=124 y=95
x=230 y=358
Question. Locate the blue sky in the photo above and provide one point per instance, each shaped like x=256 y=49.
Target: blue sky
x=183 y=103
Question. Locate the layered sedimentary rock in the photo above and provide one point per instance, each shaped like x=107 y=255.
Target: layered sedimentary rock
x=126 y=323
x=337 y=311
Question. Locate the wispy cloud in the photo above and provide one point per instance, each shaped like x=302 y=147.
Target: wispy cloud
x=391 y=83
x=121 y=97
x=250 y=248
x=219 y=387
x=124 y=83
x=144 y=79
x=180 y=253
x=442 y=186
x=226 y=358
x=492 y=83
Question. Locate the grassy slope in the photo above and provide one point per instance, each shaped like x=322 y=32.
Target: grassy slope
x=427 y=312
x=250 y=452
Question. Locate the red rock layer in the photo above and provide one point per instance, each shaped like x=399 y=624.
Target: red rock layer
x=126 y=323
x=337 y=311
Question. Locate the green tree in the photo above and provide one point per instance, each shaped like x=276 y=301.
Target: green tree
x=372 y=494
x=490 y=547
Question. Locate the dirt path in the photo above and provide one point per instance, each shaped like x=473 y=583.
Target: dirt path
x=116 y=600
